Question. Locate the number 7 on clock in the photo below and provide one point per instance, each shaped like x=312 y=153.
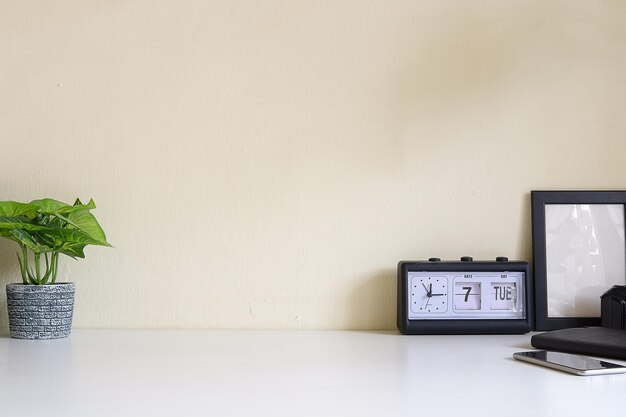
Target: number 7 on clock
x=467 y=296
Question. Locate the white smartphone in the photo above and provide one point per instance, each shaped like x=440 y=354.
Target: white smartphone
x=575 y=364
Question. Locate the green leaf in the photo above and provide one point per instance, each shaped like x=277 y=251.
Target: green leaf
x=78 y=206
x=87 y=223
x=5 y=233
x=23 y=223
x=68 y=241
x=13 y=209
x=29 y=241
x=73 y=250
x=48 y=205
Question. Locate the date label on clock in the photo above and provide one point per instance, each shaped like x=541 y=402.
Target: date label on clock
x=448 y=295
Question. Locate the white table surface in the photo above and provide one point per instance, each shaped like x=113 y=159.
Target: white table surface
x=290 y=373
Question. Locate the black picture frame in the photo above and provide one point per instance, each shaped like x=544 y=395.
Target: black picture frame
x=539 y=201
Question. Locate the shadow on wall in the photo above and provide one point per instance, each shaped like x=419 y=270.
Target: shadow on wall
x=373 y=303
x=8 y=274
x=475 y=55
x=466 y=60
x=525 y=233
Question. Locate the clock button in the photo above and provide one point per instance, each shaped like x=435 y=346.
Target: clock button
x=434 y=260
x=466 y=259
x=502 y=259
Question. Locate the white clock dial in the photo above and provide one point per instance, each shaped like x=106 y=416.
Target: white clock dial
x=429 y=294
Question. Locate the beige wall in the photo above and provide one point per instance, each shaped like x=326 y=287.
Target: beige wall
x=267 y=164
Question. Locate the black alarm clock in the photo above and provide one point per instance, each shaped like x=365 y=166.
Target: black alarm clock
x=464 y=297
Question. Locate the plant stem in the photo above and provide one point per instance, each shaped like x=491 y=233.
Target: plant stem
x=48 y=270
x=55 y=266
x=29 y=272
x=38 y=267
x=22 y=269
x=39 y=277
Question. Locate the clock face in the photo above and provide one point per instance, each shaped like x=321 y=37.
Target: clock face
x=440 y=295
x=429 y=294
x=464 y=297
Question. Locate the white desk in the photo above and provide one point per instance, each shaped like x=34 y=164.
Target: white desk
x=290 y=373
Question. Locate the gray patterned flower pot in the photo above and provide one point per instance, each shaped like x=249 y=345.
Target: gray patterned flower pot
x=40 y=311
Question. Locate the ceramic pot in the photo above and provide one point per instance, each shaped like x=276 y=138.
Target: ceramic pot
x=40 y=311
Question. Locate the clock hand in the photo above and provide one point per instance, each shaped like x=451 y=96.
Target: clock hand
x=429 y=293
x=436 y=294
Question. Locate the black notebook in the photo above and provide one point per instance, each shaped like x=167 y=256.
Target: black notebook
x=594 y=341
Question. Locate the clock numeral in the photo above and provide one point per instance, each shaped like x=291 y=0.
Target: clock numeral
x=469 y=289
x=467 y=295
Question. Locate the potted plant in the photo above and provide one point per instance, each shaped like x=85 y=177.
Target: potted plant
x=40 y=307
